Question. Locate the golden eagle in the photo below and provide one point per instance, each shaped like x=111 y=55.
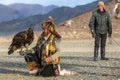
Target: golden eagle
x=21 y=40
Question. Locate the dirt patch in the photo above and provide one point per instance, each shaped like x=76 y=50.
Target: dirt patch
x=76 y=56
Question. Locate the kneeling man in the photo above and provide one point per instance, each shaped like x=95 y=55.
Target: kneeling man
x=46 y=59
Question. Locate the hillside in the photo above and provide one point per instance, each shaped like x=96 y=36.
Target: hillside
x=59 y=14
x=79 y=28
x=21 y=11
x=7 y=13
x=27 y=10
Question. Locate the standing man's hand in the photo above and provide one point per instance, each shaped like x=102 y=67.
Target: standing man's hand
x=93 y=35
x=109 y=35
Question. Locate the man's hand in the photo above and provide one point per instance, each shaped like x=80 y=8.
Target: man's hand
x=47 y=60
x=109 y=35
x=93 y=35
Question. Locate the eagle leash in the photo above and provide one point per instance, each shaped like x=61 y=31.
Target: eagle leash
x=117 y=43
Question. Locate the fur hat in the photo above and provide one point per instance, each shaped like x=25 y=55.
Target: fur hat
x=50 y=25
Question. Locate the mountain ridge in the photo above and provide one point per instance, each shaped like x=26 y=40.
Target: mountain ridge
x=6 y=13
x=21 y=11
x=31 y=9
x=60 y=15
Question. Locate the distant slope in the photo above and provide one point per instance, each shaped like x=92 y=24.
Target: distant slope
x=22 y=11
x=60 y=15
x=7 y=13
x=27 y=10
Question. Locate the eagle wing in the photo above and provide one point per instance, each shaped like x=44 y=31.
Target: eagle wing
x=18 y=41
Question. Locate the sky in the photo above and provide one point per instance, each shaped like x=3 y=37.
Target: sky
x=70 y=3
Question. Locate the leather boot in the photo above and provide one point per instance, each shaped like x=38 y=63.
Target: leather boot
x=96 y=53
x=103 y=54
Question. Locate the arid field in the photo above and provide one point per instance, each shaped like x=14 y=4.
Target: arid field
x=76 y=55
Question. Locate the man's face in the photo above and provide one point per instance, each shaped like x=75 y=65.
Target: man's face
x=100 y=7
x=45 y=31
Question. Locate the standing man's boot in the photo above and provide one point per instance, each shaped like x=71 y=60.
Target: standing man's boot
x=103 y=54
x=96 y=53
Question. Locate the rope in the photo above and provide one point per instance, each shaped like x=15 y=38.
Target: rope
x=115 y=42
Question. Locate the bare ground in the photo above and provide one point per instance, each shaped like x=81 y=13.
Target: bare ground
x=76 y=55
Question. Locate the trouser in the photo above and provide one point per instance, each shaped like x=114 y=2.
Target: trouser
x=50 y=70
x=100 y=40
x=34 y=62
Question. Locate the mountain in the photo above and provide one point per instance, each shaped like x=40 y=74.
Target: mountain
x=59 y=14
x=7 y=13
x=27 y=10
x=21 y=11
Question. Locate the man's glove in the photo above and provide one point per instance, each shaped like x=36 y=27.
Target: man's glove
x=93 y=35
x=43 y=63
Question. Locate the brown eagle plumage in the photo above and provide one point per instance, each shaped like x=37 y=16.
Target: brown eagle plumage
x=21 y=40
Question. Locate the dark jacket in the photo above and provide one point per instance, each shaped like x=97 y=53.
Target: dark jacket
x=100 y=23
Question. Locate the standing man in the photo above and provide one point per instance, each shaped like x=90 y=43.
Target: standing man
x=100 y=25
